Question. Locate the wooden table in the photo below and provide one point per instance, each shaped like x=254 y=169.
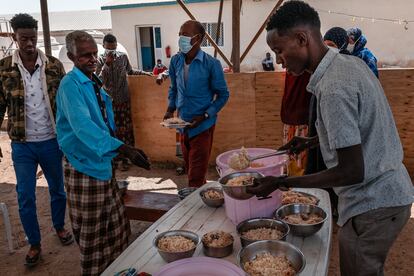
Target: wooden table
x=192 y=214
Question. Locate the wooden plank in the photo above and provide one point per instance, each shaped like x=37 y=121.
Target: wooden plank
x=192 y=214
x=236 y=35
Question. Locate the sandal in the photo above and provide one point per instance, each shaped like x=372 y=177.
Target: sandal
x=32 y=261
x=65 y=237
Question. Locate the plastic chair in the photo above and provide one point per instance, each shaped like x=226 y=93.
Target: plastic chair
x=6 y=219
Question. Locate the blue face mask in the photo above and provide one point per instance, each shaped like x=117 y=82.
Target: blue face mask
x=184 y=43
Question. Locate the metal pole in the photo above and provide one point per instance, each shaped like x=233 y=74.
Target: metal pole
x=180 y=2
x=236 y=35
x=219 y=25
x=260 y=31
x=46 y=29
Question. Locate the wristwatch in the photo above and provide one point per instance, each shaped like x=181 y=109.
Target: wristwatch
x=206 y=115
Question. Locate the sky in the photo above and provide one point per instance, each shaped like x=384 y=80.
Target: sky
x=33 y=6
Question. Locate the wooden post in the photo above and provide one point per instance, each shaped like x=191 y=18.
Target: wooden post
x=260 y=30
x=46 y=29
x=212 y=42
x=236 y=35
x=218 y=25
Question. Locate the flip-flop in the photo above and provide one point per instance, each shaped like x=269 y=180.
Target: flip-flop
x=34 y=260
x=66 y=239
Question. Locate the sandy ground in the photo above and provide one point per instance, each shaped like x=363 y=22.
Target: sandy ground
x=59 y=260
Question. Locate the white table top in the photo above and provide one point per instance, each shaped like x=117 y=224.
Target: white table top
x=193 y=215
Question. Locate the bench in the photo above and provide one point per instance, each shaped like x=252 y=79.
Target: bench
x=148 y=206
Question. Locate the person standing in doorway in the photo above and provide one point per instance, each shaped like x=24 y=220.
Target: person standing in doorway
x=29 y=82
x=113 y=68
x=198 y=91
x=268 y=63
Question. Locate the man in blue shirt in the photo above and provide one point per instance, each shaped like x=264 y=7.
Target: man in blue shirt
x=198 y=92
x=85 y=132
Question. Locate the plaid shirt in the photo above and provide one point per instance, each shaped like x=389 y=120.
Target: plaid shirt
x=12 y=93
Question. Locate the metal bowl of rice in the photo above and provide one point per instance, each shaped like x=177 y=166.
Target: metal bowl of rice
x=271 y=258
x=303 y=219
x=217 y=244
x=258 y=229
x=176 y=244
x=235 y=184
x=212 y=197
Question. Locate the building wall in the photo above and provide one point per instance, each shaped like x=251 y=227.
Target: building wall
x=390 y=42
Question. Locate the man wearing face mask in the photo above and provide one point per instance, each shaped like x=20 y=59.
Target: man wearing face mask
x=356 y=47
x=197 y=92
x=112 y=68
x=159 y=68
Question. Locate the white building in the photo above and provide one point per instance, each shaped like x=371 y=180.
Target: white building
x=147 y=27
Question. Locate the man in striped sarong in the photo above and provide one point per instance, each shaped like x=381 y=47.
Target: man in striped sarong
x=85 y=131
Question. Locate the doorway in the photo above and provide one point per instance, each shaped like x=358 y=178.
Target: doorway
x=148 y=46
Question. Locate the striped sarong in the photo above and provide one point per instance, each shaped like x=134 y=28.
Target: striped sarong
x=99 y=222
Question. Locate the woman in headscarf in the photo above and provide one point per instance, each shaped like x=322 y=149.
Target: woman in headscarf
x=356 y=47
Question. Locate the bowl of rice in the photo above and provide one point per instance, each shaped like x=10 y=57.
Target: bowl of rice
x=217 y=244
x=176 y=244
x=235 y=184
x=276 y=258
x=303 y=219
x=212 y=197
x=259 y=229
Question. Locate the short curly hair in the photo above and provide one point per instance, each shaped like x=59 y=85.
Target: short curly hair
x=23 y=21
x=292 y=14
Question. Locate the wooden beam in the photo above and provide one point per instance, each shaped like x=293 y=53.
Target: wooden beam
x=259 y=32
x=181 y=3
x=236 y=35
x=218 y=24
x=46 y=29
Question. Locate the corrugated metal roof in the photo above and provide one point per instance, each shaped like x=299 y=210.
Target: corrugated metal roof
x=126 y=4
x=74 y=20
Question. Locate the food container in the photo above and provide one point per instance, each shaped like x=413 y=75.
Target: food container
x=272 y=165
x=258 y=223
x=276 y=248
x=238 y=192
x=218 y=252
x=215 y=203
x=302 y=230
x=173 y=256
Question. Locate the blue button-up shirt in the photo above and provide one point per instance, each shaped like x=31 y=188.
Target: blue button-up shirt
x=204 y=92
x=81 y=131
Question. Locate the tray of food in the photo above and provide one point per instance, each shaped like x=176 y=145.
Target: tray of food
x=175 y=123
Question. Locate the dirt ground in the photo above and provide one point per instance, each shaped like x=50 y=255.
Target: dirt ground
x=59 y=260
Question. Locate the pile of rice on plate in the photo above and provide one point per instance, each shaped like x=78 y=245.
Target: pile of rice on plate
x=265 y=264
x=263 y=233
x=175 y=244
x=217 y=239
x=303 y=218
x=242 y=180
x=213 y=194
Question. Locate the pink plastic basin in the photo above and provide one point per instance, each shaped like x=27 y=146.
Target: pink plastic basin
x=239 y=210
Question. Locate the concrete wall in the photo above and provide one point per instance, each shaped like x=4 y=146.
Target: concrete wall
x=390 y=42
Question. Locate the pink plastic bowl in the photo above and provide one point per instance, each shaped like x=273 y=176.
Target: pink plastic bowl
x=240 y=210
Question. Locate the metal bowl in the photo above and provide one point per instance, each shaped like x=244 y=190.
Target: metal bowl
x=303 y=230
x=184 y=192
x=255 y=223
x=212 y=202
x=218 y=252
x=173 y=256
x=276 y=248
x=238 y=192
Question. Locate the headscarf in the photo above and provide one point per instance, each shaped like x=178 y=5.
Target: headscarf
x=338 y=36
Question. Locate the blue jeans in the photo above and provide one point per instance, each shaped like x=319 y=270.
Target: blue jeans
x=26 y=157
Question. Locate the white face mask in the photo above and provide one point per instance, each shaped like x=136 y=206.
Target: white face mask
x=107 y=52
x=350 y=48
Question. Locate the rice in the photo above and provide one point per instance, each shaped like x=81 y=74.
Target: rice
x=217 y=239
x=303 y=218
x=265 y=264
x=242 y=180
x=263 y=233
x=240 y=160
x=213 y=194
x=291 y=197
x=175 y=121
x=175 y=244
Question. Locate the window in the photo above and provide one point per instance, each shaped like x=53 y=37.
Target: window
x=211 y=29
